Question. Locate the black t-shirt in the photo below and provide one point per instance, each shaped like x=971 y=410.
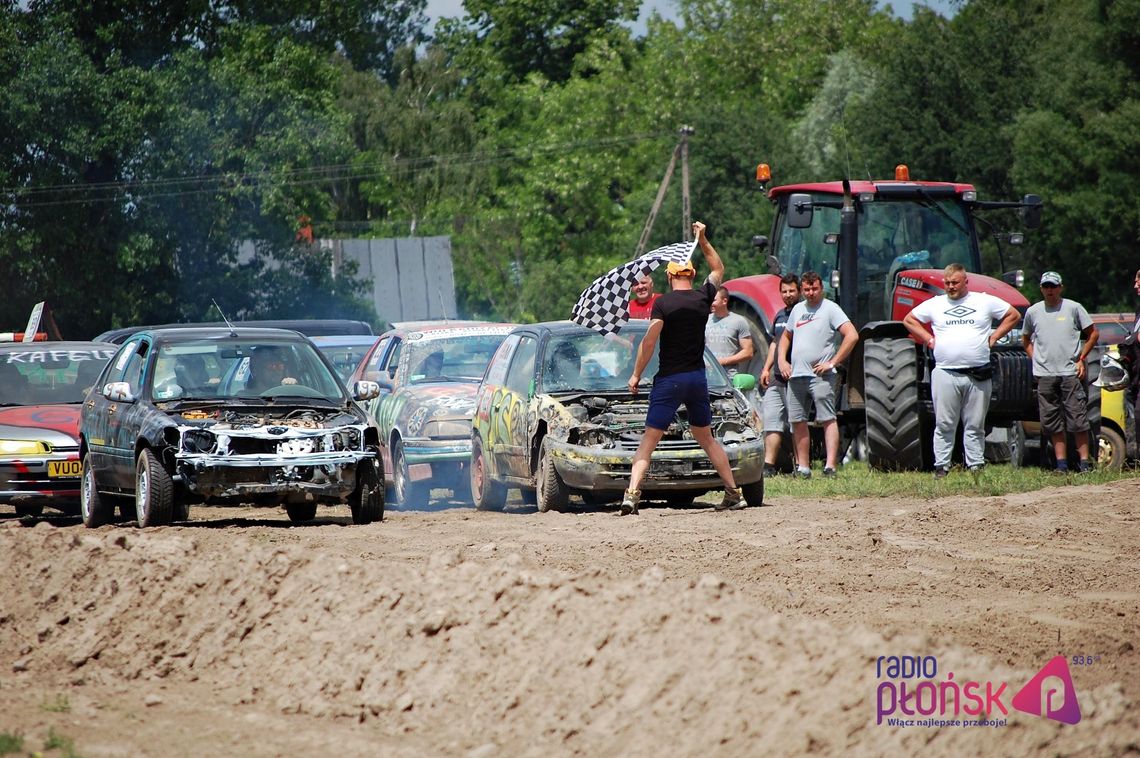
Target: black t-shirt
x=685 y=313
x=777 y=332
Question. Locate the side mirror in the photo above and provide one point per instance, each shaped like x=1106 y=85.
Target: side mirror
x=1031 y=211
x=365 y=390
x=120 y=392
x=799 y=210
x=759 y=241
x=744 y=382
x=774 y=265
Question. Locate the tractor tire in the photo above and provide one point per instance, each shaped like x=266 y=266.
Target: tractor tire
x=93 y=507
x=486 y=493
x=553 y=494
x=154 y=491
x=898 y=431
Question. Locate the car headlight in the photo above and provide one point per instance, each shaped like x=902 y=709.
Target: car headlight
x=596 y=438
x=456 y=428
x=198 y=441
x=23 y=447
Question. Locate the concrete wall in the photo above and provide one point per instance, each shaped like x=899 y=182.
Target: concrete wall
x=412 y=277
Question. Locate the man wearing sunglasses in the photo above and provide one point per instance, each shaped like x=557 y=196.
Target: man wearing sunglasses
x=1059 y=335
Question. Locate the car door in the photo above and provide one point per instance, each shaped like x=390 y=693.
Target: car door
x=488 y=400
x=512 y=453
x=97 y=415
x=125 y=417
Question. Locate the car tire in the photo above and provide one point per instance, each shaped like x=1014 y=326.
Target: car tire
x=680 y=499
x=367 y=500
x=753 y=493
x=407 y=492
x=154 y=491
x=1111 y=450
x=553 y=494
x=487 y=494
x=93 y=507
x=29 y=511
x=301 y=512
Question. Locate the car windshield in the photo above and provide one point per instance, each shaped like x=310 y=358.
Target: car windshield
x=459 y=358
x=31 y=375
x=242 y=368
x=589 y=361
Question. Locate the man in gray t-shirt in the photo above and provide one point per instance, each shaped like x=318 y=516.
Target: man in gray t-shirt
x=727 y=335
x=1059 y=335
x=814 y=324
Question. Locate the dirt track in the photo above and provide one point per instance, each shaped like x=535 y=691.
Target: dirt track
x=680 y=632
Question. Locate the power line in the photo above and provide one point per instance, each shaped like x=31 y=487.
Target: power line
x=228 y=182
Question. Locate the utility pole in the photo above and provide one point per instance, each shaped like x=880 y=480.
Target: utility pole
x=680 y=151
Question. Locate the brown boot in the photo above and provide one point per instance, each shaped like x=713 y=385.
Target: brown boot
x=629 y=503
x=733 y=500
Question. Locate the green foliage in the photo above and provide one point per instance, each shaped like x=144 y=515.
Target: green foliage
x=65 y=745
x=11 y=743
x=59 y=705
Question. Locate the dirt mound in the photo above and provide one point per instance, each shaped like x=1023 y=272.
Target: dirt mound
x=471 y=652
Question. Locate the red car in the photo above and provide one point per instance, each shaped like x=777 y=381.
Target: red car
x=42 y=388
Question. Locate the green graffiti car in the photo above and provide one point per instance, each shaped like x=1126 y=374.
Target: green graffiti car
x=554 y=417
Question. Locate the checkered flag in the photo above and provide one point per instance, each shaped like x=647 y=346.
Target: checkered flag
x=604 y=305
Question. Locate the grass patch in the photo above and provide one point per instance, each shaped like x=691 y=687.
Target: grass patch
x=60 y=705
x=11 y=743
x=857 y=480
x=64 y=745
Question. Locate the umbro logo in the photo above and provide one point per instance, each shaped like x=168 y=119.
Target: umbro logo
x=960 y=311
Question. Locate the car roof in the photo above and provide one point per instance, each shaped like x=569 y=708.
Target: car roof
x=343 y=340
x=569 y=327
x=64 y=345
x=432 y=329
x=183 y=334
x=304 y=326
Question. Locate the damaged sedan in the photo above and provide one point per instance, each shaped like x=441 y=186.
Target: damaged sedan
x=219 y=416
x=554 y=417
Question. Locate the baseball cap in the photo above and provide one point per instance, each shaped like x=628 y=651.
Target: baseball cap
x=1051 y=277
x=681 y=269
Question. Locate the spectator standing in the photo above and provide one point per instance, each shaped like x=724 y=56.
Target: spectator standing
x=774 y=403
x=809 y=336
x=678 y=319
x=641 y=306
x=1059 y=335
x=728 y=336
x=962 y=377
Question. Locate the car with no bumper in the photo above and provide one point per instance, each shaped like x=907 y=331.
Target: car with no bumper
x=218 y=416
x=554 y=416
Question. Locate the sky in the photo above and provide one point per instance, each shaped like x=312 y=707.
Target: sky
x=668 y=9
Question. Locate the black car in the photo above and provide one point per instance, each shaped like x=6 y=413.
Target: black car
x=226 y=415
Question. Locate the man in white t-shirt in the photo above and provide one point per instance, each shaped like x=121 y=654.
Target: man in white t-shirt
x=961 y=382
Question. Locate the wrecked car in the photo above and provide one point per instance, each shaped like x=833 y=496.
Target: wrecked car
x=216 y=416
x=42 y=386
x=554 y=417
x=428 y=374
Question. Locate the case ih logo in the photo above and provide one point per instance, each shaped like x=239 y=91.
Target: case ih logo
x=960 y=311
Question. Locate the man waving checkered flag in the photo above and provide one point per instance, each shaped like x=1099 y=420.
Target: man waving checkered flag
x=604 y=305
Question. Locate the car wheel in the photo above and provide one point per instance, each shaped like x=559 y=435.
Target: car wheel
x=680 y=499
x=407 y=492
x=301 y=512
x=29 y=510
x=487 y=494
x=154 y=491
x=93 y=507
x=754 y=493
x=1110 y=449
x=367 y=501
x=553 y=493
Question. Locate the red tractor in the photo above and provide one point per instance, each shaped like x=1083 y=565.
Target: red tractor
x=880 y=248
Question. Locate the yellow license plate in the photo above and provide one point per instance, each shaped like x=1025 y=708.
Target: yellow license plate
x=65 y=469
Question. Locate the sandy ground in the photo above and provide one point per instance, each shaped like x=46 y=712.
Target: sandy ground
x=679 y=632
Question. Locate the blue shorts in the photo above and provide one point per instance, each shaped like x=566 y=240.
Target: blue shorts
x=690 y=389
